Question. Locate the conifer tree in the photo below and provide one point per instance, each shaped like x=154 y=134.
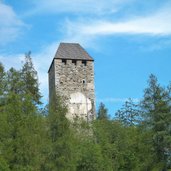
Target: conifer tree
x=21 y=123
x=2 y=79
x=61 y=154
x=102 y=112
x=30 y=79
x=129 y=114
x=3 y=83
x=3 y=120
x=21 y=141
x=157 y=112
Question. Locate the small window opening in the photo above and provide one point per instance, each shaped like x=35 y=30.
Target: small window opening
x=84 y=62
x=83 y=81
x=74 y=62
x=64 y=61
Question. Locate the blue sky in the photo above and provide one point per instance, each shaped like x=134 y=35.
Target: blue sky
x=129 y=40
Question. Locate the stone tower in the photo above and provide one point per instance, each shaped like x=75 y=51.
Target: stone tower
x=71 y=74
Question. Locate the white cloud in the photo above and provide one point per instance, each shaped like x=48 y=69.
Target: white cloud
x=155 y=24
x=41 y=61
x=11 y=60
x=99 y=7
x=10 y=24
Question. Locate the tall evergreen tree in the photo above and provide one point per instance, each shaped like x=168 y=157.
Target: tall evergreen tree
x=21 y=141
x=129 y=114
x=157 y=112
x=3 y=83
x=102 y=112
x=61 y=154
x=30 y=79
x=3 y=119
x=20 y=124
x=2 y=79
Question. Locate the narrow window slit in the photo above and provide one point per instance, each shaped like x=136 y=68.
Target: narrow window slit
x=83 y=81
x=74 y=61
x=64 y=61
x=84 y=62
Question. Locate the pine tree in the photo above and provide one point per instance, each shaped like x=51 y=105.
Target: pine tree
x=30 y=79
x=157 y=112
x=3 y=83
x=2 y=79
x=61 y=154
x=129 y=114
x=102 y=112
x=21 y=140
x=21 y=125
x=3 y=119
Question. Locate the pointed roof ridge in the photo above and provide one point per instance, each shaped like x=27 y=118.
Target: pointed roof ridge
x=72 y=51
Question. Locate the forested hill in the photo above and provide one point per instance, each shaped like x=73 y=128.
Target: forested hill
x=36 y=139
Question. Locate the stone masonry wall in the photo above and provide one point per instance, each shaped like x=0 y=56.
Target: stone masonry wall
x=74 y=79
x=51 y=80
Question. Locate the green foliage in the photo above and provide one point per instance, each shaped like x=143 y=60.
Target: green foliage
x=20 y=125
x=157 y=112
x=129 y=114
x=121 y=147
x=90 y=158
x=3 y=165
x=102 y=112
x=30 y=79
x=61 y=154
x=31 y=139
x=21 y=144
x=2 y=80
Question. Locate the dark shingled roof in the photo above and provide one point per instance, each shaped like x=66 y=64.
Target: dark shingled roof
x=72 y=51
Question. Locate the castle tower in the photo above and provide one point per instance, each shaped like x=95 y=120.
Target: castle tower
x=71 y=74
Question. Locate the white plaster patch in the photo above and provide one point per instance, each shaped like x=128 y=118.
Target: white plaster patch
x=79 y=104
